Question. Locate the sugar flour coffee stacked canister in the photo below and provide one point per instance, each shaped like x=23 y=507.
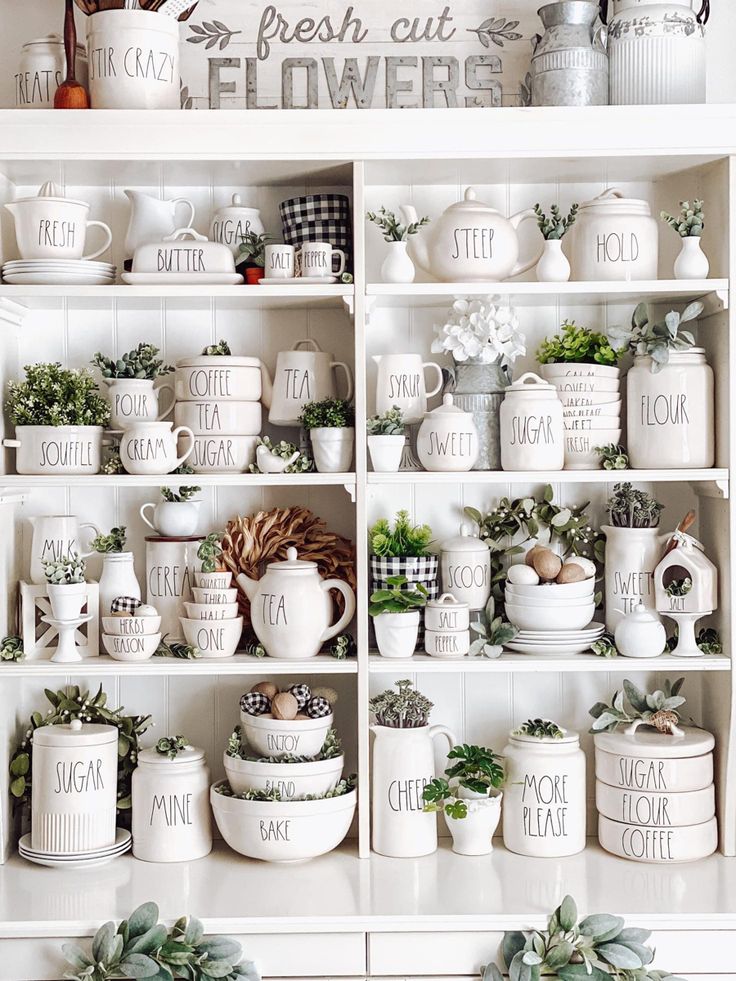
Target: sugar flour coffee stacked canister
x=615 y=239
x=74 y=787
x=41 y=71
x=532 y=430
x=170 y=567
x=319 y=218
x=655 y=794
x=171 y=809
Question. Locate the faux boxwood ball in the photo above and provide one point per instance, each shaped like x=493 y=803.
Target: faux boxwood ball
x=255 y=703
x=318 y=707
x=302 y=693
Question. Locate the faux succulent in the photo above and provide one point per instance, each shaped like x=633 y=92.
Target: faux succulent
x=329 y=413
x=141 y=947
x=69 y=570
x=539 y=729
x=219 y=350
x=252 y=249
x=660 y=709
x=404 y=539
x=657 y=340
x=556 y=225
x=629 y=507
x=613 y=456
x=597 y=948
x=178 y=495
x=391 y=423
x=11 y=648
x=475 y=768
x=395 y=599
x=679 y=587
x=210 y=550
x=605 y=646
x=481 y=330
x=690 y=222
x=491 y=633
x=343 y=646
x=577 y=345
x=56 y=396
x=171 y=746
x=143 y=363
x=391 y=227
x=402 y=709
x=114 y=542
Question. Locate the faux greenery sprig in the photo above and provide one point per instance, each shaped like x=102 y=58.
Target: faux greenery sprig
x=171 y=746
x=660 y=709
x=404 y=539
x=69 y=570
x=114 y=542
x=690 y=222
x=491 y=634
x=391 y=227
x=179 y=495
x=210 y=550
x=657 y=340
x=11 y=648
x=329 y=413
x=71 y=703
x=141 y=947
x=613 y=456
x=539 y=729
x=556 y=226
x=577 y=345
x=391 y=423
x=343 y=646
x=284 y=450
x=605 y=646
x=402 y=709
x=252 y=249
x=394 y=599
x=56 y=396
x=174 y=648
x=142 y=363
x=629 y=507
x=219 y=350
x=475 y=768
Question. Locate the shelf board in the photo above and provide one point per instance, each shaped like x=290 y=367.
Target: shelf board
x=720 y=475
x=240 y=664
x=534 y=664
x=12 y=481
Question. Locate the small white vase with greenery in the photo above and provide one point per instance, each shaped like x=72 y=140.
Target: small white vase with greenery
x=386 y=440
x=331 y=426
x=692 y=262
x=118 y=571
x=66 y=586
x=176 y=515
x=396 y=610
x=553 y=266
x=397 y=266
x=131 y=382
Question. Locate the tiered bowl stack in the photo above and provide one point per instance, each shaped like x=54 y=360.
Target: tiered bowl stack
x=212 y=624
x=133 y=630
x=319 y=218
x=284 y=799
x=655 y=794
x=591 y=409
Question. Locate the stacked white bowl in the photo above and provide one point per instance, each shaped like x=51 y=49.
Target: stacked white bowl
x=131 y=638
x=551 y=606
x=212 y=624
x=591 y=409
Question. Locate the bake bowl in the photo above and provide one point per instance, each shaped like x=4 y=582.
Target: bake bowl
x=290 y=779
x=553 y=591
x=211 y=611
x=216 y=596
x=550 y=617
x=131 y=626
x=218 y=638
x=131 y=648
x=276 y=738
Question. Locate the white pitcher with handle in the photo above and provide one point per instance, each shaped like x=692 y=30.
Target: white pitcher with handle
x=152 y=219
x=55 y=535
x=304 y=374
x=401 y=383
x=403 y=764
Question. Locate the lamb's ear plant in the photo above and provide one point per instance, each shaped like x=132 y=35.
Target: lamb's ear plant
x=657 y=340
x=219 y=350
x=391 y=423
x=491 y=634
x=390 y=226
x=403 y=539
x=11 y=648
x=613 y=456
x=402 y=709
x=179 y=495
x=659 y=709
x=141 y=363
x=114 y=542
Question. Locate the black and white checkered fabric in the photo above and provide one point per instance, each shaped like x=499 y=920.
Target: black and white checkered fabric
x=339 y=236
x=255 y=703
x=302 y=694
x=315 y=207
x=318 y=707
x=421 y=568
x=125 y=604
x=431 y=585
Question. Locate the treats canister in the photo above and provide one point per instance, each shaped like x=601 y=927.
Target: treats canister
x=171 y=809
x=532 y=430
x=465 y=568
x=74 y=787
x=615 y=239
x=41 y=71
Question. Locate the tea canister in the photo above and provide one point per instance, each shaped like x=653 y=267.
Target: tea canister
x=233 y=222
x=170 y=567
x=446 y=613
x=670 y=414
x=447 y=440
x=615 y=239
x=532 y=429
x=74 y=787
x=544 y=798
x=171 y=809
x=41 y=71
x=465 y=569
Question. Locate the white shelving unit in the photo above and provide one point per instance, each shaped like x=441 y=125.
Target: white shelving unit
x=339 y=915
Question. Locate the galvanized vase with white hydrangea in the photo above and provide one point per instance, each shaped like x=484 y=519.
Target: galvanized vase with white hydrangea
x=483 y=337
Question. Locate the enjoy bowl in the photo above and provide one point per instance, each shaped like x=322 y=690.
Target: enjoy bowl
x=276 y=738
x=290 y=779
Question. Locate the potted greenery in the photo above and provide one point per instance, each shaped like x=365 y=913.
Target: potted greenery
x=553 y=266
x=466 y=795
x=118 y=571
x=176 y=515
x=402 y=550
x=397 y=266
x=386 y=440
x=212 y=573
x=130 y=379
x=251 y=258
x=578 y=345
x=692 y=262
x=331 y=426
x=59 y=415
x=66 y=586
x=395 y=611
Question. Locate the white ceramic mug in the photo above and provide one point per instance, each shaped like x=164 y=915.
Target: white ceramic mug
x=279 y=262
x=401 y=382
x=318 y=260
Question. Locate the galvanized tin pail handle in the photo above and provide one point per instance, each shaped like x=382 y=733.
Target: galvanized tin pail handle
x=604 y=11
x=704 y=12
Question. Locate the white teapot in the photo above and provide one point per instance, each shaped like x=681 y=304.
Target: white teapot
x=640 y=633
x=472 y=242
x=291 y=608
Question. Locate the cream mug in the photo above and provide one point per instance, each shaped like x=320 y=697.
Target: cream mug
x=49 y=227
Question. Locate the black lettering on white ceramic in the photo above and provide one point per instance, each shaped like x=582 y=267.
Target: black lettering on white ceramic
x=532 y=431
x=52 y=549
x=641 y=774
x=454 y=444
x=653 y=844
x=407 y=795
x=181 y=260
x=465 y=577
x=630 y=589
x=145 y=448
x=171 y=810
x=169 y=580
x=298 y=384
x=214 y=454
x=210 y=383
x=273 y=609
x=36 y=88
x=664 y=410
x=282 y=742
x=211 y=638
x=79 y=776
x=230 y=230
x=544 y=799
x=275 y=830
x=57 y=233
x=645 y=809
x=404 y=386
x=446 y=644
x=132 y=405
x=448 y=618
x=286 y=788
x=617 y=247
x=128 y=645
x=71 y=453
x=578 y=444
x=135 y=62
x=208 y=417
x=473 y=243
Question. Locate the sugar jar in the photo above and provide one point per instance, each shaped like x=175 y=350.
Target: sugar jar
x=615 y=239
x=532 y=430
x=232 y=223
x=74 y=787
x=465 y=568
x=544 y=799
x=448 y=439
x=171 y=809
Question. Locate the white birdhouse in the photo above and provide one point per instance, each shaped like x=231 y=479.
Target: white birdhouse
x=686 y=588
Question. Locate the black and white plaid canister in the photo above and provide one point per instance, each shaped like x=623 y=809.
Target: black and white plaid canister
x=315 y=207
x=302 y=694
x=318 y=707
x=255 y=703
x=125 y=604
x=416 y=568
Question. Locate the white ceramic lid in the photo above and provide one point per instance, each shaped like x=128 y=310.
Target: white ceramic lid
x=470 y=202
x=445 y=600
x=55 y=39
x=530 y=385
x=75 y=733
x=292 y=563
x=647 y=743
x=237 y=205
x=448 y=408
x=613 y=200
x=228 y=360
x=466 y=541
x=50 y=192
x=219 y=258
x=192 y=754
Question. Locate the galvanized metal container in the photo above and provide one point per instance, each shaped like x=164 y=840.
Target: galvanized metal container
x=570 y=63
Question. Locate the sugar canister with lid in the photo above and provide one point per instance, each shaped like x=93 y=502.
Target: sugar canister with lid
x=532 y=429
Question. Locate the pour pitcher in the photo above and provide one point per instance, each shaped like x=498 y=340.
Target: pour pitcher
x=152 y=219
x=55 y=535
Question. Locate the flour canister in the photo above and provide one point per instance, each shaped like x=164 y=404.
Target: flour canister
x=615 y=239
x=74 y=787
x=170 y=567
x=632 y=555
x=465 y=568
x=671 y=413
x=41 y=71
x=171 y=807
x=544 y=797
x=532 y=430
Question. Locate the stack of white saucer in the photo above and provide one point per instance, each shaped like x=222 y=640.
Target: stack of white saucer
x=61 y=860
x=58 y=272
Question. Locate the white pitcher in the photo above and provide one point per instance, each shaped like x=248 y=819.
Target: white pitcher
x=303 y=376
x=401 y=383
x=403 y=764
x=136 y=400
x=55 y=535
x=152 y=219
x=632 y=555
x=149 y=448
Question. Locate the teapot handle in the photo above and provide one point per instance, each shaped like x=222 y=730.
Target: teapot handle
x=341 y=587
x=348 y=378
x=520 y=266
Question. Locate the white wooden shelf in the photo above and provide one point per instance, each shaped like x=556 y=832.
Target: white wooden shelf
x=240 y=664
x=718 y=475
x=510 y=663
x=346 y=480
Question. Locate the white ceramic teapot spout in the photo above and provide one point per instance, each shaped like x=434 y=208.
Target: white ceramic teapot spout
x=419 y=246
x=248 y=585
x=266 y=387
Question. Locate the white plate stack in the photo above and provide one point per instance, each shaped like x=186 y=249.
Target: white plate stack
x=552 y=618
x=591 y=409
x=58 y=272
x=78 y=860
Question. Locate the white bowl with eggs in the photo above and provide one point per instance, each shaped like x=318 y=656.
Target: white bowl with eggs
x=292 y=780
x=554 y=590
x=276 y=738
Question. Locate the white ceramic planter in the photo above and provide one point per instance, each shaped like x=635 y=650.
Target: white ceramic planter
x=213 y=638
x=171 y=808
x=615 y=238
x=292 y=780
x=655 y=810
x=396 y=633
x=448 y=644
x=276 y=738
x=49 y=450
x=658 y=846
x=397 y=267
x=170 y=565
x=227 y=378
x=692 y=262
x=386 y=452
x=118 y=579
x=220 y=454
x=67 y=600
x=149 y=448
x=283 y=831
x=172 y=519
x=136 y=400
x=332 y=449
x=553 y=266
x=473 y=834
x=647 y=761
x=532 y=432
x=448 y=439
x=53 y=537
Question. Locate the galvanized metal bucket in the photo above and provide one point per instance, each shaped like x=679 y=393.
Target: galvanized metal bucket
x=570 y=62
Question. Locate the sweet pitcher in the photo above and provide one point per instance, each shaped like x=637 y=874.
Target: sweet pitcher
x=304 y=374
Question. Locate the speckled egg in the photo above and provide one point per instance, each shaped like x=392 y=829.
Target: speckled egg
x=522 y=575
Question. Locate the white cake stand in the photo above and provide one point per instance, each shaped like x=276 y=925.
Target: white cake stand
x=67 y=651
x=686 y=642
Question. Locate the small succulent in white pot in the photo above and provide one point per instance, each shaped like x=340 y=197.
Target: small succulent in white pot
x=692 y=262
x=396 y=610
x=212 y=573
x=331 y=427
x=66 y=586
x=176 y=515
x=386 y=440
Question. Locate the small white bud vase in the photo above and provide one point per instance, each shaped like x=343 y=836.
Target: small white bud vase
x=118 y=579
x=553 y=266
x=171 y=809
x=74 y=787
x=397 y=266
x=692 y=262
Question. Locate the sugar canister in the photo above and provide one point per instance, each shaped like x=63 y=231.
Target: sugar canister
x=532 y=430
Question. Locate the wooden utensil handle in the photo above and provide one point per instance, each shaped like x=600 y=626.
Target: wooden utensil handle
x=70 y=41
x=686 y=523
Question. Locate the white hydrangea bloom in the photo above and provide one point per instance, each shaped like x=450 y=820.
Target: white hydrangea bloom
x=484 y=330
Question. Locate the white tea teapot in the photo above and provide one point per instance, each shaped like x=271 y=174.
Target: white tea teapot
x=291 y=608
x=472 y=242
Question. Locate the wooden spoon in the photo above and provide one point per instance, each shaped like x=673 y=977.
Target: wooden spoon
x=686 y=523
x=71 y=94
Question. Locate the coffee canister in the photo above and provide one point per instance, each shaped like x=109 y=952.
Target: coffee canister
x=41 y=71
x=74 y=787
x=544 y=797
x=532 y=430
x=171 y=809
x=170 y=567
x=465 y=568
x=615 y=239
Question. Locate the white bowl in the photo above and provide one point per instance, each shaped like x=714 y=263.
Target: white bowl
x=315 y=826
x=558 y=590
x=555 y=371
x=215 y=596
x=285 y=737
x=213 y=639
x=574 y=400
x=585 y=386
x=593 y=411
x=655 y=809
x=658 y=845
x=550 y=618
x=131 y=648
x=290 y=779
x=542 y=602
x=220 y=454
x=211 y=611
x=131 y=626
x=591 y=425
x=580 y=452
x=213 y=580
